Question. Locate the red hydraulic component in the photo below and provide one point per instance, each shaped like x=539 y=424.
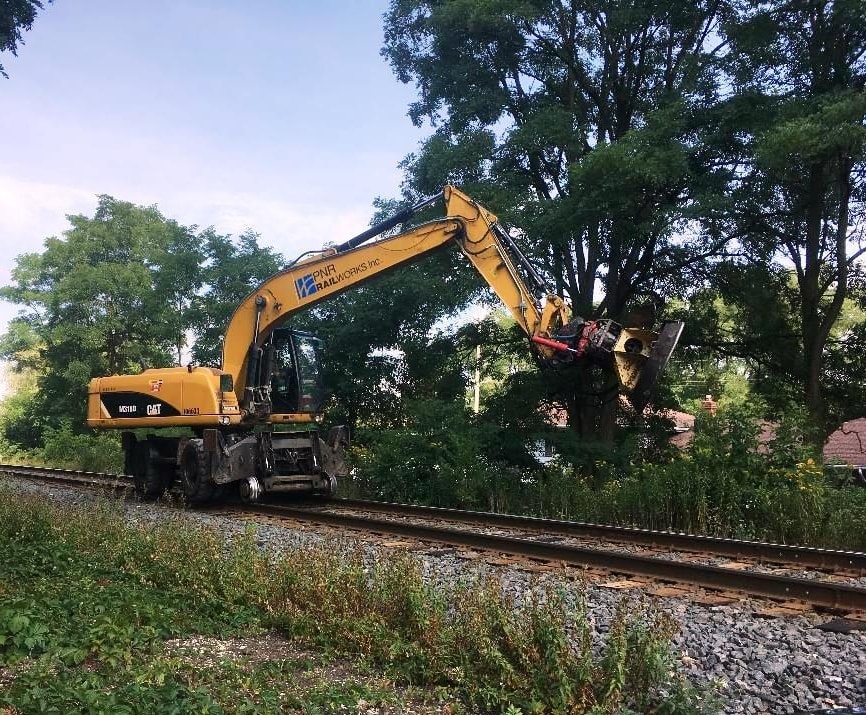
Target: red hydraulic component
x=555 y=344
x=586 y=334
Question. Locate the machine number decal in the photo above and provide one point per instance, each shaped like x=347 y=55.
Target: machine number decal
x=190 y=410
x=136 y=405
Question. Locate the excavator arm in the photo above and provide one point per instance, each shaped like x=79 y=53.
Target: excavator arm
x=544 y=317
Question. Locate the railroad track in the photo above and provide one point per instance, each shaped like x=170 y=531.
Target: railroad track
x=425 y=524
x=824 y=594
x=853 y=562
x=70 y=477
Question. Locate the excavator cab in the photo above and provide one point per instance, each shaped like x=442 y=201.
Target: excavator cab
x=295 y=372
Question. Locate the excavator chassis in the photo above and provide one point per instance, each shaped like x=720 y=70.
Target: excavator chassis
x=270 y=378
x=208 y=466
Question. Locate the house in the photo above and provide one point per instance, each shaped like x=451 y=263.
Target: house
x=682 y=432
x=845 y=449
x=543 y=450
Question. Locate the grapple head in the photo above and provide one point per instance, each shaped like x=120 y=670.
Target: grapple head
x=639 y=356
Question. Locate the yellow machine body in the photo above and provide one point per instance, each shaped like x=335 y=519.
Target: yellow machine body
x=164 y=397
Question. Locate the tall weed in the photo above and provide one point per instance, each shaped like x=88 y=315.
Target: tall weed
x=91 y=599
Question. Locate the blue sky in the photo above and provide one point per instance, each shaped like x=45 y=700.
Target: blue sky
x=278 y=116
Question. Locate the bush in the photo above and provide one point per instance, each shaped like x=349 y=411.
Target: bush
x=91 y=451
x=727 y=484
x=438 y=459
x=89 y=602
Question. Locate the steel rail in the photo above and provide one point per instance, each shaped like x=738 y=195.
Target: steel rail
x=806 y=556
x=70 y=477
x=817 y=593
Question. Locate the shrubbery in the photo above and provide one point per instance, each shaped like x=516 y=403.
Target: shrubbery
x=728 y=483
x=438 y=459
x=88 y=603
x=64 y=447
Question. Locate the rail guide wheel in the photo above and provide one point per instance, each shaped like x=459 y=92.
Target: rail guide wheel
x=249 y=490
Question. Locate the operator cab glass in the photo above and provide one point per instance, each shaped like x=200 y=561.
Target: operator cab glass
x=296 y=374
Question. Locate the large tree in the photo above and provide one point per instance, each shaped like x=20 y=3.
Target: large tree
x=798 y=125
x=103 y=299
x=579 y=120
x=232 y=268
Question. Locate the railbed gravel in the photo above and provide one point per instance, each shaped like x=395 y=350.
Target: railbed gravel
x=643 y=550
x=774 y=665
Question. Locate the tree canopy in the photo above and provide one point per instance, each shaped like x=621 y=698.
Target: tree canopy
x=16 y=17
x=120 y=291
x=656 y=149
x=704 y=161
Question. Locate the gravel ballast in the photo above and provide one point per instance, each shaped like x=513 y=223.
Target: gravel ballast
x=757 y=664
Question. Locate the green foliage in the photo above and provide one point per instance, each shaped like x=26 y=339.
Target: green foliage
x=22 y=420
x=64 y=446
x=596 y=159
x=231 y=269
x=16 y=17
x=742 y=476
x=648 y=161
x=27 y=436
x=729 y=483
x=98 y=302
x=438 y=458
x=89 y=603
x=388 y=339
x=797 y=131
x=118 y=291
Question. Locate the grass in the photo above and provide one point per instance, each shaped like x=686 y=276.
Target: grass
x=100 y=616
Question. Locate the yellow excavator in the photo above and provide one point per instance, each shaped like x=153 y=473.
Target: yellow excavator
x=254 y=424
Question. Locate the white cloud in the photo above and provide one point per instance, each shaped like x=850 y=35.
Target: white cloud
x=289 y=226
x=31 y=211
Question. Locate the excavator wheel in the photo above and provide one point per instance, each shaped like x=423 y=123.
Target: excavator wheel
x=146 y=473
x=249 y=490
x=195 y=478
x=331 y=486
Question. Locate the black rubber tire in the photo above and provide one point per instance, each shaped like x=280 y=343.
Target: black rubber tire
x=146 y=474
x=327 y=486
x=195 y=478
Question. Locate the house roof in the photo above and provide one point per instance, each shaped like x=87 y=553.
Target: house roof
x=684 y=437
x=682 y=420
x=847 y=444
x=557 y=416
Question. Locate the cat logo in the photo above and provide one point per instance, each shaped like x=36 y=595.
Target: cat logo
x=155 y=385
x=154 y=410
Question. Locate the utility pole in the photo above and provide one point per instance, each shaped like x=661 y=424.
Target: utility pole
x=476 y=402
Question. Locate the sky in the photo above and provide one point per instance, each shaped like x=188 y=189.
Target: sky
x=280 y=116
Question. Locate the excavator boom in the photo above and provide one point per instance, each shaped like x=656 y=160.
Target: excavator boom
x=320 y=276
